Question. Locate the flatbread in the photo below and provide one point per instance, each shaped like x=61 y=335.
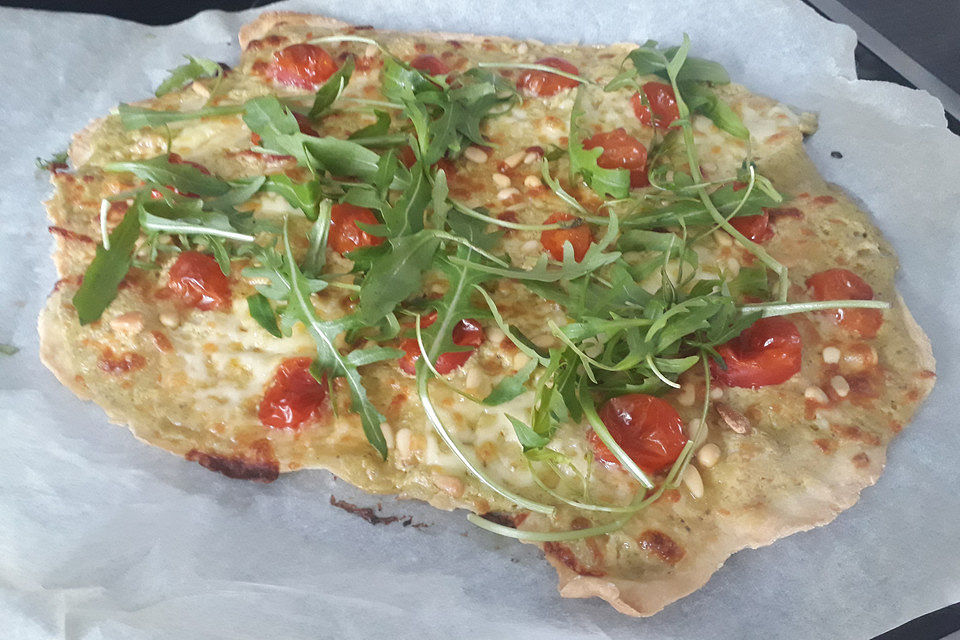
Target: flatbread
x=190 y=381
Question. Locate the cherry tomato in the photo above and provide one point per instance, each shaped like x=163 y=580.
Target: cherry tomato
x=768 y=352
x=345 y=236
x=554 y=239
x=647 y=428
x=662 y=101
x=294 y=397
x=756 y=228
x=621 y=151
x=306 y=127
x=431 y=65
x=542 y=84
x=196 y=279
x=841 y=284
x=306 y=66
x=466 y=333
x=407 y=156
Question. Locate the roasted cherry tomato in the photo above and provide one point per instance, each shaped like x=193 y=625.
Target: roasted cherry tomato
x=542 y=84
x=431 y=65
x=306 y=127
x=767 y=352
x=621 y=151
x=196 y=279
x=647 y=428
x=553 y=239
x=345 y=236
x=841 y=284
x=306 y=66
x=466 y=333
x=662 y=101
x=294 y=397
x=756 y=228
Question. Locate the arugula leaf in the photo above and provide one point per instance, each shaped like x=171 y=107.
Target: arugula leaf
x=701 y=99
x=396 y=275
x=59 y=158
x=405 y=216
x=647 y=60
x=511 y=386
x=529 y=439
x=612 y=182
x=160 y=171
x=300 y=195
x=138 y=117
x=693 y=212
x=379 y=128
x=328 y=93
x=107 y=270
x=262 y=312
x=193 y=69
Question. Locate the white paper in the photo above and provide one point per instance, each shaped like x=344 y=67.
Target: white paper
x=102 y=537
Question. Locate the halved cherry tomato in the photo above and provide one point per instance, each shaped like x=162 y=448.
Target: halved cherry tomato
x=621 y=151
x=662 y=101
x=542 y=84
x=196 y=279
x=294 y=397
x=768 y=352
x=303 y=65
x=306 y=127
x=431 y=65
x=756 y=228
x=345 y=236
x=466 y=333
x=553 y=239
x=647 y=428
x=842 y=284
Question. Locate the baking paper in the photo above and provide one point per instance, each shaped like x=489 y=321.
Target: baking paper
x=103 y=537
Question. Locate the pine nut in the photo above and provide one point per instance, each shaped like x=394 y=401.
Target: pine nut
x=831 y=355
x=816 y=394
x=840 y=385
x=501 y=181
x=388 y=434
x=403 y=439
x=733 y=266
x=532 y=182
x=473 y=378
x=495 y=335
x=451 y=485
x=514 y=159
x=169 y=319
x=708 y=455
x=130 y=322
x=506 y=194
x=687 y=395
x=475 y=154
x=530 y=246
x=723 y=238
x=693 y=481
x=716 y=393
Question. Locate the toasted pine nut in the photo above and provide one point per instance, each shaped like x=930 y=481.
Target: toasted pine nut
x=506 y=194
x=816 y=394
x=693 y=481
x=840 y=385
x=501 y=180
x=708 y=455
x=514 y=159
x=831 y=355
x=532 y=182
x=451 y=485
x=475 y=154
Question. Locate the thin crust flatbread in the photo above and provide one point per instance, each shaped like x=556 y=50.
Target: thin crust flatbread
x=189 y=381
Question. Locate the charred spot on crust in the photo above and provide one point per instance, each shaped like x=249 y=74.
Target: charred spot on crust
x=368 y=514
x=497 y=517
x=258 y=470
x=568 y=558
x=661 y=545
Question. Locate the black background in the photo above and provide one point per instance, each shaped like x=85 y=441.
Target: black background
x=926 y=30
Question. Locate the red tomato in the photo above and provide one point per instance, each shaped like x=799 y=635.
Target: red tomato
x=306 y=127
x=345 y=236
x=431 y=65
x=662 y=101
x=756 y=228
x=305 y=66
x=542 y=84
x=841 y=284
x=294 y=397
x=768 y=352
x=466 y=333
x=554 y=239
x=621 y=151
x=196 y=279
x=407 y=156
x=647 y=428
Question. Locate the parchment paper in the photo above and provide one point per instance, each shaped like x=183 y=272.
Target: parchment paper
x=102 y=537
